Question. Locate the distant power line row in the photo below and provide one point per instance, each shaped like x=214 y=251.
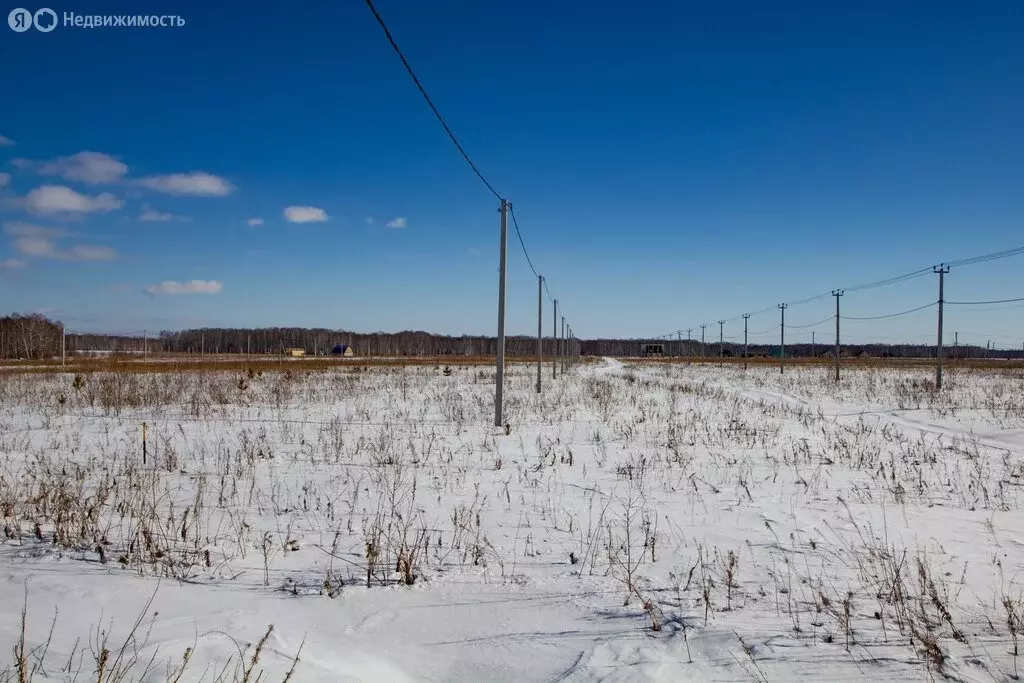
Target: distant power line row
x=984 y=258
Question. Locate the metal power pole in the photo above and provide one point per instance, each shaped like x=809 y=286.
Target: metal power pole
x=499 y=377
x=782 y=339
x=837 y=293
x=941 y=270
x=721 y=339
x=746 y=317
x=540 y=328
x=554 y=337
x=702 y=327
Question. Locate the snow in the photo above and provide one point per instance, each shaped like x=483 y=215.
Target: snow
x=532 y=551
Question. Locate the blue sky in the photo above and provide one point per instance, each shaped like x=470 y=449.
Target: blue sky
x=670 y=164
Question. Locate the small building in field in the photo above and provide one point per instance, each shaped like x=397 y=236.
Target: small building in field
x=342 y=350
x=295 y=353
x=652 y=350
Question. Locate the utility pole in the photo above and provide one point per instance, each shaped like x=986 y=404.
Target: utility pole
x=703 y=325
x=540 y=328
x=721 y=339
x=62 y=346
x=956 y=345
x=814 y=348
x=941 y=270
x=554 y=336
x=746 y=317
x=689 y=344
x=499 y=377
x=837 y=293
x=782 y=339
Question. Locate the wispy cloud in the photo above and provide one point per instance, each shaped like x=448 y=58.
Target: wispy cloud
x=6 y=142
x=22 y=229
x=369 y=220
x=5 y=179
x=44 y=248
x=304 y=214
x=56 y=200
x=253 y=222
x=92 y=168
x=12 y=264
x=397 y=223
x=190 y=287
x=195 y=183
x=151 y=215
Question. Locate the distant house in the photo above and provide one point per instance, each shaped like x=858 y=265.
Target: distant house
x=295 y=353
x=342 y=350
x=653 y=350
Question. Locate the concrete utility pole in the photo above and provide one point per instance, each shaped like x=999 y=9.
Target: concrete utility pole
x=702 y=327
x=721 y=339
x=782 y=339
x=814 y=350
x=956 y=345
x=689 y=344
x=941 y=270
x=540 y=328
x=499 y=377
x=554 y=336
x=62 y=346
x=746 y=317
x=837 y=293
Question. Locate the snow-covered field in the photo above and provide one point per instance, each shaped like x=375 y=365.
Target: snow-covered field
x=639 y=522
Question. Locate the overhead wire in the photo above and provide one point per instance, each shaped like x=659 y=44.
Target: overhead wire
x=891 y=315
x=455 y=141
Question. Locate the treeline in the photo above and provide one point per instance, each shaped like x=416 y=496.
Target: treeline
x=35 y=337
x=29 y=336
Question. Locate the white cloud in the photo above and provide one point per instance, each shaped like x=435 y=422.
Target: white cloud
x=21 y=229
x=304 y=214
x=399 y=222
x=45 y=248
x=5 y=179
x=253 y=222
x=195 y=183
x=6 y=142
x=94 y=168
x=149 y=214
x=190 y=287
x=50 y=200
x=11 y=264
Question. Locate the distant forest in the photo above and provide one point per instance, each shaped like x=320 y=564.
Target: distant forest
x=37 y=337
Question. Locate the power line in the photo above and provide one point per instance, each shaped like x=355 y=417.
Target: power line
x=804 y=327
x=982 y=303
x=891 y=315
x=515 y=224
x=430 y=103
x=994 y=256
